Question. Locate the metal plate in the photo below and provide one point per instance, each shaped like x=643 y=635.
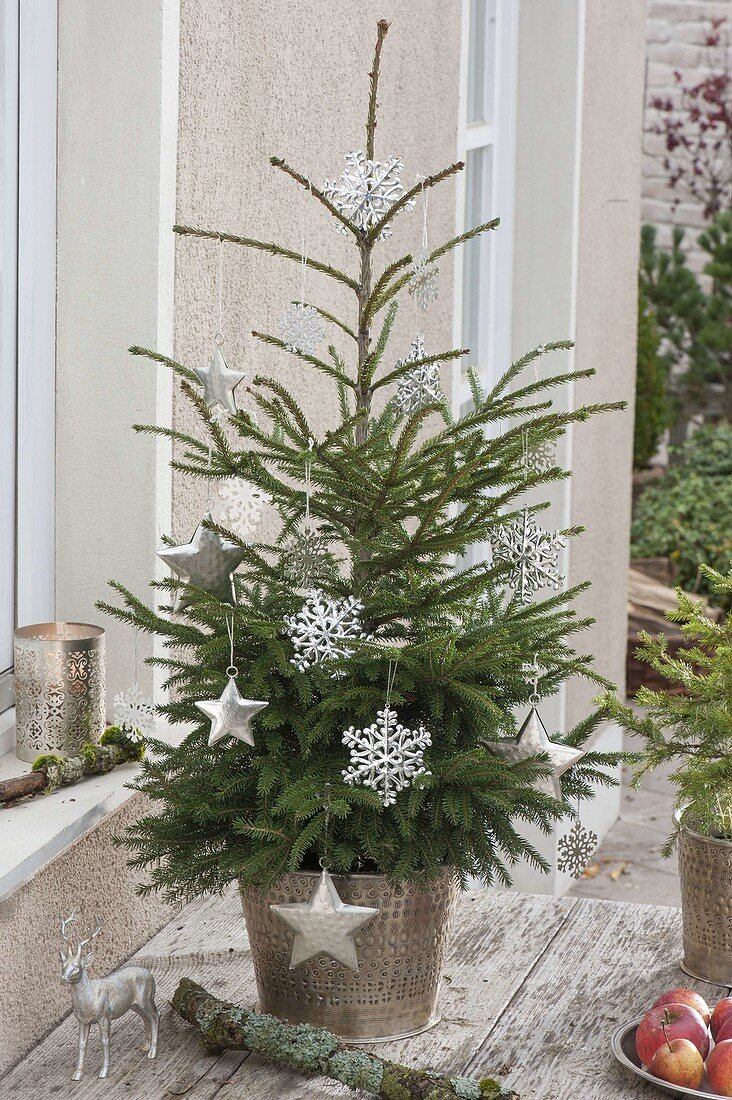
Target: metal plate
x=623 y=1044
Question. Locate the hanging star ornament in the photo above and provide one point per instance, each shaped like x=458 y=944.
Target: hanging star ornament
x=231 y=714
x=207 y=561
x=219 y=382
x=533 y=740
x=325 y=925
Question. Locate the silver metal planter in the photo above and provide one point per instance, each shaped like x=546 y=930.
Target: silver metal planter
x=401 y=954
x=705 y=869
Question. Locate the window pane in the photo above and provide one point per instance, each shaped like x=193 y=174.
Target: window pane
x=481 y=60
x=477 y=256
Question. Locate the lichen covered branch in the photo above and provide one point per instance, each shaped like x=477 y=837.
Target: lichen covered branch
x=307 y=1049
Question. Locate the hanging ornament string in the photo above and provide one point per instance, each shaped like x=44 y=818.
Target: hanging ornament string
x=308 y=479
x=301 y=329
x=219 y=335
x=325 y=858
x=232 y=671
x=543 y=454
x=423 y=288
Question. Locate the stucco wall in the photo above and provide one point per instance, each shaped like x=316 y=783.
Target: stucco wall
x=675 y=33
x=92 y=877
x=315 y=72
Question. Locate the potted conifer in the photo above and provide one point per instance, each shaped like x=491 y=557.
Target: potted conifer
x=689 y=725
x=354 y=759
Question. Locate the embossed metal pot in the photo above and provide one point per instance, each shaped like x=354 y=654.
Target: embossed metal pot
x=401 y=954
x=59 y=688
x=705 y=870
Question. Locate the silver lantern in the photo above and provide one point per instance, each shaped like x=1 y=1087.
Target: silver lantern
x=59 y=688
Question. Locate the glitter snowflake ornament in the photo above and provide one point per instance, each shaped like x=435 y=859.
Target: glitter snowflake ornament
x=242 y=506
x=386 y=756
x=366 y=191
x=323 y=629
x=423 y=285
x=134 y=713
x=575 y=850
x=532 y=553
x=301 y=329
x=418 y=387
x=305 y=558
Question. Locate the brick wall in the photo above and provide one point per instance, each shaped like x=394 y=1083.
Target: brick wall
x=675 y=33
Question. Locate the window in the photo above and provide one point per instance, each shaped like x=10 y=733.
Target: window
x=27 y=318
x=486 y=144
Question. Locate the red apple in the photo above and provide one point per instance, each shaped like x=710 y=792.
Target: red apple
x=685 y=997
x=724 y=1031
x=678 y=1021
x=679 y=1062
x=719 y=1068
x=722 y=1009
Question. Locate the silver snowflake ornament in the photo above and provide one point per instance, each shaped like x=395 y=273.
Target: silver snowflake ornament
x=532 y=553
x=575 y=850
x=386 y=756
x=423 y=286
x=418 y=387
x=366 y=191
x=134 y=713
x=323 y=629
x=242 y=505
x=301 y=329
x=305 y=558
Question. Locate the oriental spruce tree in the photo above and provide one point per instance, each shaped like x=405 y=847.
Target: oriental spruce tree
x=398 y=494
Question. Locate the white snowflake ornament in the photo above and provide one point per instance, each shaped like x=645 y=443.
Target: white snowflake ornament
x=575 y=850
x=533 y=554
x=366 y=191
x=322 y=630
x=423 y=286
x=134 y=713
x=301 y=329
x=543 y=456
x=418 y=387
x=242 y=506
x=386 y=756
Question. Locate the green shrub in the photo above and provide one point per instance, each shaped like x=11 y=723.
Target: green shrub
x=651 y=413
x=687 y=515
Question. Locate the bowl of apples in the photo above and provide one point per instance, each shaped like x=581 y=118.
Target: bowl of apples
x=680 y=1045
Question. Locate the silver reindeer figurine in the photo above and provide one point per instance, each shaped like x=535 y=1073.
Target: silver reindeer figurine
x=101 y=1000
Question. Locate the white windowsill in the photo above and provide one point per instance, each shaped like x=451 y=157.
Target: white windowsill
x=34 y=831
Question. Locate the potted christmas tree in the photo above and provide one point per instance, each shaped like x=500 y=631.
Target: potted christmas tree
x=690 y=727
x=353 y=691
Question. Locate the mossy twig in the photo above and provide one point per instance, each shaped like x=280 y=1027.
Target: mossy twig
x=225 y=1026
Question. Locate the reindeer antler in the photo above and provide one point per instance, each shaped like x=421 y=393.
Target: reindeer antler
x=73 y=919
x=93 y=936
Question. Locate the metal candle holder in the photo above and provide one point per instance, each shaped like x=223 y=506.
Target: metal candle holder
x=59 y=688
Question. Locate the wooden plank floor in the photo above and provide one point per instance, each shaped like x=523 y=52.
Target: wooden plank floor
x=534 y=987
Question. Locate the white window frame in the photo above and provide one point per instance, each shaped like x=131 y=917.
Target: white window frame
x=494 y=358
x=28 y=87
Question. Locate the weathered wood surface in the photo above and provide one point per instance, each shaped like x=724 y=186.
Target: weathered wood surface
x=534 y=987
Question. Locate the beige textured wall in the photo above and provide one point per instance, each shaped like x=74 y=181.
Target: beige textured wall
x=93 y=877
x=255 y=81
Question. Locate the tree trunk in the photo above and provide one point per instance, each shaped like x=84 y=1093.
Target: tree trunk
x=225 y=1026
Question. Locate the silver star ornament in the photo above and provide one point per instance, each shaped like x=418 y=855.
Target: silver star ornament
x=532 y=740
x=325 y=925
x=207 y=561
x=219 y=382
x=231 y=715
